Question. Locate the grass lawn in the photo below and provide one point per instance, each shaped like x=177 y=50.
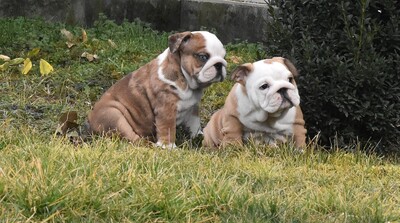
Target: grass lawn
x=44 y=178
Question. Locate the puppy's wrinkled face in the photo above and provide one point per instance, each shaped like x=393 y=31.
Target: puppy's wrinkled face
x=201 y=58
x=271 y=86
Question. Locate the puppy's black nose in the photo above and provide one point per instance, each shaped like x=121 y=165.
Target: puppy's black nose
x=282 y=91
x=218 y=66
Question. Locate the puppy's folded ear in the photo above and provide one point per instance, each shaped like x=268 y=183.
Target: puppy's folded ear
x=288 y=64
x=240 y=73
x=175 y=41
x=290 y=67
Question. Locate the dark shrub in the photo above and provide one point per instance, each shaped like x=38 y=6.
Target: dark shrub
x=348 y=55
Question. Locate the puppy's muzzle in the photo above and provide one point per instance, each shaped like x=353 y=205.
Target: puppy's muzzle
x=214 y=70
x=285 y=97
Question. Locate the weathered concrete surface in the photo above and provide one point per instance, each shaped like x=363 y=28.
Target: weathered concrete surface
x=232 y=20
x=161 y=14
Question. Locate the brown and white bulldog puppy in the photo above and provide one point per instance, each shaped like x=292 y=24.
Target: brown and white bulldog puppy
x=264 y=106
x=151 y=101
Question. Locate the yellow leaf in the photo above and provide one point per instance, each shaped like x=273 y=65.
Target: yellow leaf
x=4 y=66
x=16 y=61
x=33 y=52
x=67 y=34
x=4 y=57
x=45 y=67
x=27 y=66
x=84 y=36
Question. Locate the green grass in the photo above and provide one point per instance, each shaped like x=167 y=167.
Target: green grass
x=46 y=179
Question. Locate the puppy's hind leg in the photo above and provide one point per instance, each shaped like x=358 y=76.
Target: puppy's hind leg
x=125 y=130
x=112 y=120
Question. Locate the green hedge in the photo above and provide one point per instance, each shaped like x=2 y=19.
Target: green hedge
x=348 y=55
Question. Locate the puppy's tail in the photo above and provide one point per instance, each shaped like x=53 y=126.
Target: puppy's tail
x=70 y=129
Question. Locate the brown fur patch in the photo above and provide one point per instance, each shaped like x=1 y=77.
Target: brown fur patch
x=189 y=62
x=172 y=71
x=299 y=131
x=224 y=126
x=241 y=72
x=183 y=56
x=175 y=40
x=138 y=105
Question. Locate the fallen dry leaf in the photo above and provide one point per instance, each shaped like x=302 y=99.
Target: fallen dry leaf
x=89 y=57
x=4 y=57
x=16 y=61
x=27 y=66
x=4 y=66
x=235 y=59
x=69 y=44
x=84 y=36
x=45 y=67
x=67 y=34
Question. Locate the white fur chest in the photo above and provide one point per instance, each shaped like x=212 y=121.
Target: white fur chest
x=261 y=126
x=187 y=107
x=189 y=100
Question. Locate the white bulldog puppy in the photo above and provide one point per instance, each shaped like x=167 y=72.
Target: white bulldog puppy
x=151 y=101
x=263 y=106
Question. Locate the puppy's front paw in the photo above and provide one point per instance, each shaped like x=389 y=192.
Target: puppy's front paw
x=199 y=132
x=166 y=146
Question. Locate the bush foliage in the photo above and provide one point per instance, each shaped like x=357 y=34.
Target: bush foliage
x=348 y=55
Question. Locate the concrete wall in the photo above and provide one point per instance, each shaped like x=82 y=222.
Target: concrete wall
x=231 y=20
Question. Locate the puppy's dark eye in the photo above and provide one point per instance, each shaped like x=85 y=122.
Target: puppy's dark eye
x=264 y=86
x=203 y=57
x=291 y=79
